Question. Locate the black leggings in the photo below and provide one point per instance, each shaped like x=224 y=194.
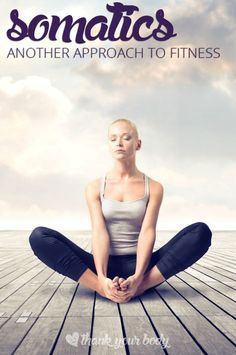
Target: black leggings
x=67 y=258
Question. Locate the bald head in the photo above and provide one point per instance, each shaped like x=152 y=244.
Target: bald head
x=130 y=123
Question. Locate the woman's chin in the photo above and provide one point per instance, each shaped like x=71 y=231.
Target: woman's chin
x=119 y=157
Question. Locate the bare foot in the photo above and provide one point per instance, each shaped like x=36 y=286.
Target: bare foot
x=101 y=292
x=139 y=292
x=123 y=288
x=116 y=282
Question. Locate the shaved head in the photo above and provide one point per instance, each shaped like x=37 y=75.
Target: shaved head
x=130 y=123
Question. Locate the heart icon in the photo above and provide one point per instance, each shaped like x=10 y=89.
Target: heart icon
x=73 y=339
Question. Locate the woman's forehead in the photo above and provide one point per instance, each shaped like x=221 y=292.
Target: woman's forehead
x=120 y=128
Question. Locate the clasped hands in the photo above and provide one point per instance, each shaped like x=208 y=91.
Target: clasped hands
x=121 y=290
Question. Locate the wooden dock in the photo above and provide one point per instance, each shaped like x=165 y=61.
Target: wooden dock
x=43 y=312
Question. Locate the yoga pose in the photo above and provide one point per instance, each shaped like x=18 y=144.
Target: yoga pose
x=124 y=205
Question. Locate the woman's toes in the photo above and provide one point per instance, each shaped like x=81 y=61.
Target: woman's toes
x=120 y=281
x=116 y=281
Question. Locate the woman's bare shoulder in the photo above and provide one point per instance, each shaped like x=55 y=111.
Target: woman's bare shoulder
x=92 y=188
x=155 y=186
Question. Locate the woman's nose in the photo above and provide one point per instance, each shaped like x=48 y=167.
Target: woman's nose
x=119 y=141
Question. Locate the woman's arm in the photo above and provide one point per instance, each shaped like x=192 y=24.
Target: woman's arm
x=147 y=237
x=101 y=242
x=100 y=237
x=147 y=234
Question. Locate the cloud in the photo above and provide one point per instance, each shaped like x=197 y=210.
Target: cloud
x=178 y=212
x=51 y=199
x=198 y=25
x=32 y=115
x=43 y=131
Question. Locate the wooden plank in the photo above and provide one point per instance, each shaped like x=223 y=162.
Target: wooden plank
x=105 y=307
x=59 y=303
x=225 y=270
x=22 y=295
x=220 y=262
x=177 y=339
x=61 y=338
x=9 y=259
x=107 y=332
x=3 y=320
x=10 y=339
x=209 y=282
x=208 y=337
x=19 y=273
x=82 y=304
x=224 y=256
x=17 y=283
x=212 y=273
x=208 y=309
x=133 y=308
x=13 y=265
x=52 y=315
x=39 y=299
x=34 y=337
x=226 y=324
x=140 y=336
x=222 y=273
x=106 y=326
x=75 y=335
x=215 y=297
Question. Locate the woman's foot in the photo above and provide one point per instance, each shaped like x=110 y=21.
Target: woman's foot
x=139 y=291
x=152 y=279
x=116 y=282
x=101 y=292
x=123 y=288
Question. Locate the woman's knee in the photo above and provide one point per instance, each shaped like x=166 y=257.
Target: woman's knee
x=35 y=238
x=205 y=234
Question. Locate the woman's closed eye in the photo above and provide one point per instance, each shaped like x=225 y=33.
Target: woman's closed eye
x=126 y=138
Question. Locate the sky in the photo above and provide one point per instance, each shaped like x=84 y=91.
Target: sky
x=54 y=115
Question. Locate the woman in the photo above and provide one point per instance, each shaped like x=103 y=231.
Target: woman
x=124 y=205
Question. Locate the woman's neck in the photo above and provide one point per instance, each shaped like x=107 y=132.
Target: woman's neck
x=124 y=170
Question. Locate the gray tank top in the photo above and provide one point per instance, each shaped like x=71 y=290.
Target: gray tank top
x=124 y=220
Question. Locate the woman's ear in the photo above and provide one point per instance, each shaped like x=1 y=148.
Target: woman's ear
x=139 y=144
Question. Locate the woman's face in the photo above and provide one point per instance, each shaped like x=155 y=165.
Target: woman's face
x=123 y=141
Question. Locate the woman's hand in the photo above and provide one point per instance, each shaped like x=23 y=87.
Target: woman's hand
x=131 y=285
x=112 y=291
